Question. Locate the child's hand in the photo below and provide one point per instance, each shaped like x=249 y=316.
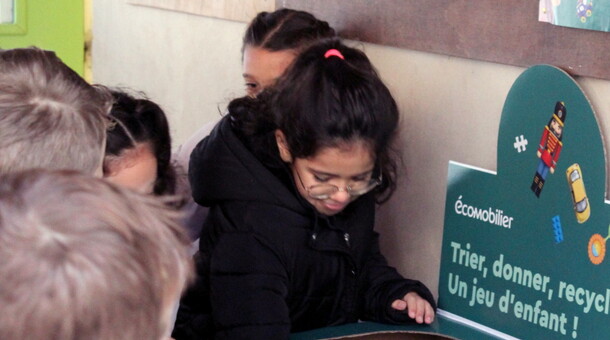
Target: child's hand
x=419 y=309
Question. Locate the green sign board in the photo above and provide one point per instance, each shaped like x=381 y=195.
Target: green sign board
x=524 y=247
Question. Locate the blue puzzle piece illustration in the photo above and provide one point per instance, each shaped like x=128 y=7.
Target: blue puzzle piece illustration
x=557 y=231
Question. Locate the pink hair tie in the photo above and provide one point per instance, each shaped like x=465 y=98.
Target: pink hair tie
x=333 y=53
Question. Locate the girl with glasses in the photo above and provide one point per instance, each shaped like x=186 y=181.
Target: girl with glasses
x=292 y=178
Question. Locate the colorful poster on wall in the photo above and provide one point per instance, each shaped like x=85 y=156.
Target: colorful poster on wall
x=524 y=247
x=586 y=14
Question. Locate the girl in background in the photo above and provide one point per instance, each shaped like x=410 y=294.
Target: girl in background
x=270 y=44
x=273 y=40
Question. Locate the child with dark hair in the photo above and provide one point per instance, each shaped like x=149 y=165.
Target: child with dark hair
x=138 y=146
x=270 y=43
x=292 y=178
x=273 y=40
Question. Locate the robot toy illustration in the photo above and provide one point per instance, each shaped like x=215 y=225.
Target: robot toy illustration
x=549 y=147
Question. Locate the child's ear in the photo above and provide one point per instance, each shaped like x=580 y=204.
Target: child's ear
x=280 y=139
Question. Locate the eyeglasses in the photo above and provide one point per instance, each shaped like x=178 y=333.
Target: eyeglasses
x=324 y=191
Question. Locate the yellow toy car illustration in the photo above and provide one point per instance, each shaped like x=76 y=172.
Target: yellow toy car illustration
x=579 y=194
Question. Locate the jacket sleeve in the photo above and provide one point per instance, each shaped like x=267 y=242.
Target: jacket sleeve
x=383 y=284
x=248 y=286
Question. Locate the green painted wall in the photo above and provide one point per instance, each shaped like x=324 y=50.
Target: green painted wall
x=56 y=25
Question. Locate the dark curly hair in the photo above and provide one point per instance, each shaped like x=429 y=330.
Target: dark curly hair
x=285 y=29
x=323 y=102
x=139 y=120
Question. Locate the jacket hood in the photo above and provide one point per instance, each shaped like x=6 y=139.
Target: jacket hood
x=222 y=168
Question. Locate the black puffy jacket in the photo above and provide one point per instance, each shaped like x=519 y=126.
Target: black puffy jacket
x=269 y=264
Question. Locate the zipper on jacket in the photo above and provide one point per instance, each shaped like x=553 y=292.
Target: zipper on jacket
x=346 y=238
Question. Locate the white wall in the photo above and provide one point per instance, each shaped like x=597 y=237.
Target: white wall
x=190 y=65
x=450 y=107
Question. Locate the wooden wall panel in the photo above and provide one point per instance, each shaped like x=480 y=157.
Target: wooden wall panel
x=506 y=32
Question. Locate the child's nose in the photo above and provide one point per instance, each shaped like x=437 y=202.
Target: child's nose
x=341 y=195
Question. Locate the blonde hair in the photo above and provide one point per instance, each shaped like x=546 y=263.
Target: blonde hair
x=49 y=116
x=84 y=259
